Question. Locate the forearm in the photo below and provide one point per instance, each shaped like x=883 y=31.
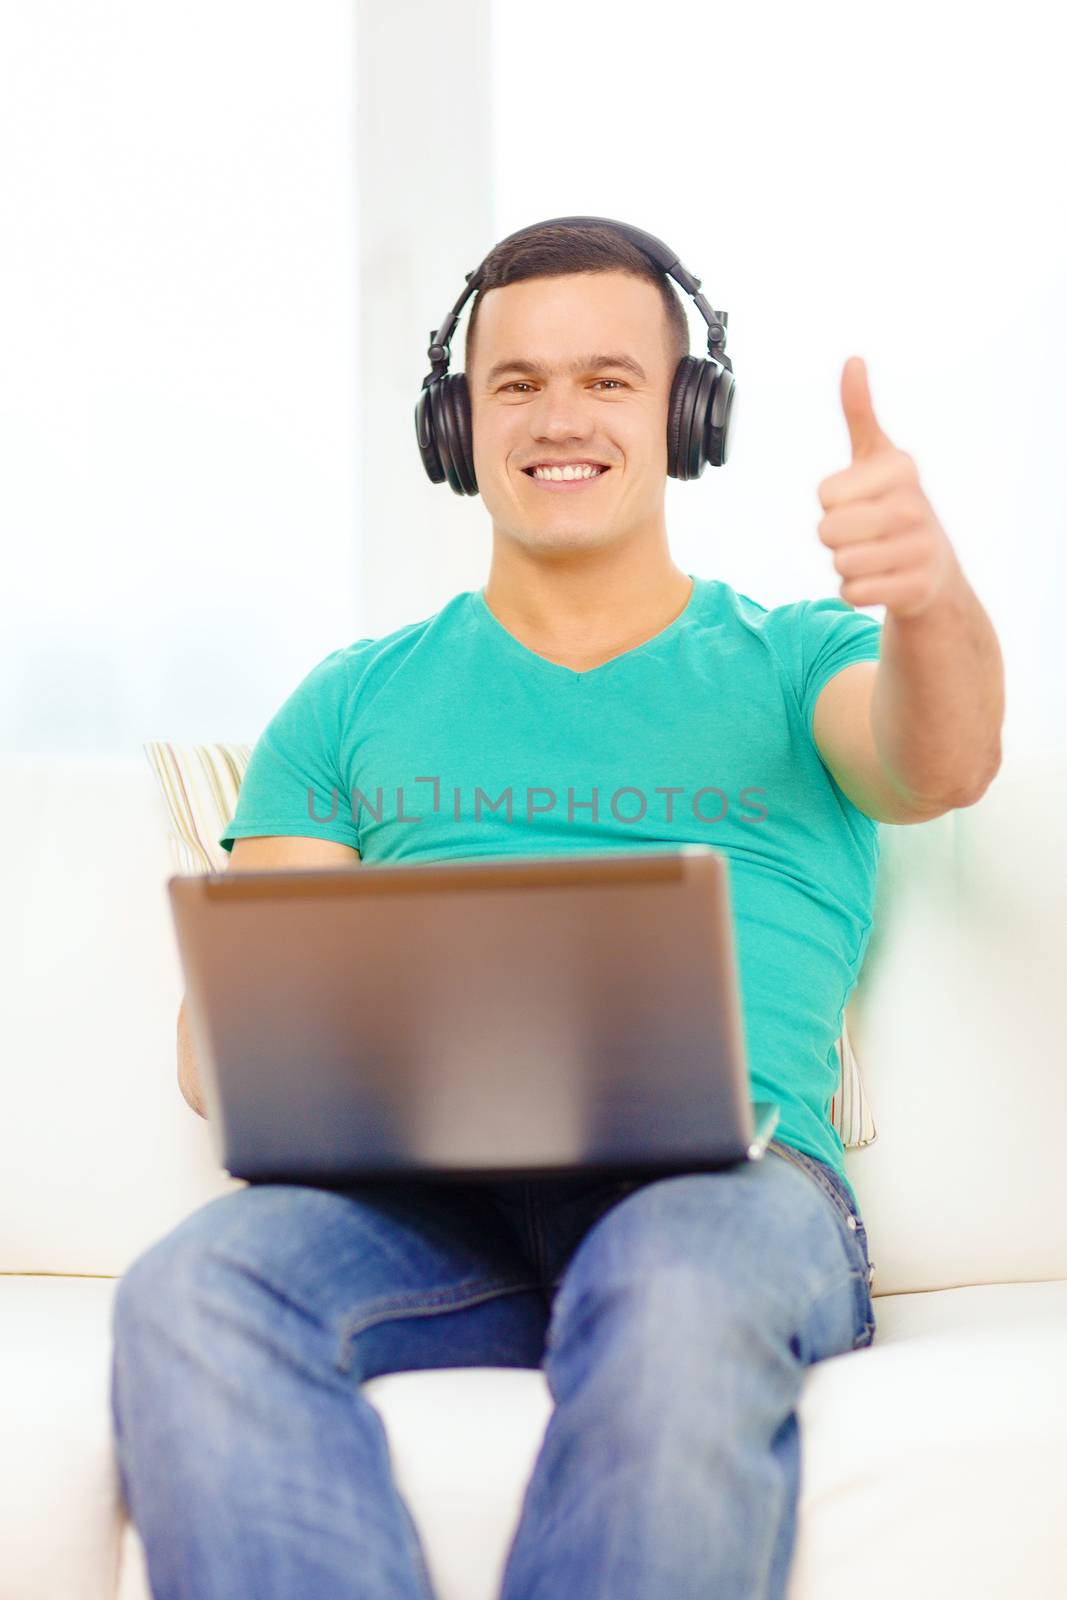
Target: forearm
x=188 y=1074
x=938 y=704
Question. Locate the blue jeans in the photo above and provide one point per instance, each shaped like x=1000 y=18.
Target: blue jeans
x=673 y=1318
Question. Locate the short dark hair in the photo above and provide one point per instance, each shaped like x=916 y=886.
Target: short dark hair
x=558 y=249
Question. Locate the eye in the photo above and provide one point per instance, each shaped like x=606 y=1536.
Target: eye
x=520 y=384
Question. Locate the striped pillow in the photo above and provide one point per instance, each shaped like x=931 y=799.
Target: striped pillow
x=200 y=783
x=850 y=1110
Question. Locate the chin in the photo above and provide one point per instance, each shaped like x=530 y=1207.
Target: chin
x=561 y=539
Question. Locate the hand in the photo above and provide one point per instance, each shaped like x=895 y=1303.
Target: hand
x=888 y=545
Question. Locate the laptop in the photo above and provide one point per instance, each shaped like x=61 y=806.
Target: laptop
x=489 y=1018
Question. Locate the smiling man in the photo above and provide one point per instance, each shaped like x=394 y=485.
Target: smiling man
x=590 y=696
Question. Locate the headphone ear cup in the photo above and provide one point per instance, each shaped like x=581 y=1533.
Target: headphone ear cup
x=443 y=430
x=698 y=417
x=459 y=401
x=705 y=384
x=680 y=417
x=424 y=434
x=452 y=429
x=719 y=422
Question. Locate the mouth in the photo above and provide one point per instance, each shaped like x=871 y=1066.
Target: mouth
x=565 y=485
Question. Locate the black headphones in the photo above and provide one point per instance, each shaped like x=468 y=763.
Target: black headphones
x=701 y=405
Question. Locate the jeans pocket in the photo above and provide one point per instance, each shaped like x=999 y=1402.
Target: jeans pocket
x=825 y=1177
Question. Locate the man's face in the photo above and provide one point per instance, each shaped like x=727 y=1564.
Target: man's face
x=544 y=410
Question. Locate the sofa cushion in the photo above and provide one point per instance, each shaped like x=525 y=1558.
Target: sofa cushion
x=959 y=1405
x=99 y=1153
x=958 y=1018
x=60 y=1501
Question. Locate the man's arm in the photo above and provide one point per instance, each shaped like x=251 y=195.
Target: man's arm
x=845 y=739
x=937 y=711
x=266 y=854
x=918 y=732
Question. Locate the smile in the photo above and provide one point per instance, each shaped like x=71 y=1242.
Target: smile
x=566 y=485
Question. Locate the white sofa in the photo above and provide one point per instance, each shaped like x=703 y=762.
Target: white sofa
x=933 y=1462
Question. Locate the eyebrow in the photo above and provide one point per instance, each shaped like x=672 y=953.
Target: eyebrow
x=581 y=364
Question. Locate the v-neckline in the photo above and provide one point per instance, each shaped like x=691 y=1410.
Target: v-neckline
x=556 y=668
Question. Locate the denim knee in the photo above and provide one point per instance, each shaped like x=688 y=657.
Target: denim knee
x=157 y=1284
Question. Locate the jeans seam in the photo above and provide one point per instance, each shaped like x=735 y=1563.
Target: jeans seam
x=422 y=1303
x=859 y=1231
x=536 y=1238
x=829 y=1283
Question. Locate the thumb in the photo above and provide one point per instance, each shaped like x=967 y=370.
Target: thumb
x=863 y=429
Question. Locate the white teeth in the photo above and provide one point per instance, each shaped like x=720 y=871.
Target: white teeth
x=566 y=474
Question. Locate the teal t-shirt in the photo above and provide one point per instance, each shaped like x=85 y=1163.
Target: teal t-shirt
x=448 y=738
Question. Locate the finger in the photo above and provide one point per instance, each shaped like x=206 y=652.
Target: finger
x=864 y=431
x=880 y=557
x=903 y=592
x=866 y=479
x=894 y=512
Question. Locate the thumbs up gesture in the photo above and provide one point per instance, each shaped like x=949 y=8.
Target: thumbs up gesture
x=889 y=547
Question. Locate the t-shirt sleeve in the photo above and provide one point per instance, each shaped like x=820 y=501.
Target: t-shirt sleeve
x=833 y=634
x=293 y=784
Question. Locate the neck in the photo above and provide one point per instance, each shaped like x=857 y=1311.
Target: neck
x=582 y=611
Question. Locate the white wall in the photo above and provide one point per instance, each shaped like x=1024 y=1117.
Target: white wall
x=178 y=285
x=227 y=228
x=425 y=176
x=882 y=180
